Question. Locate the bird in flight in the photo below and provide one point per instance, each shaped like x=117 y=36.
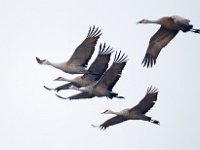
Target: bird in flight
x=98 y=67
x=170 y=26
x=79 y=60
x=135 y=113
x=104 y=86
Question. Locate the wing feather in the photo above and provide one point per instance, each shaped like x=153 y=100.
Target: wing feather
x=159 y=40
x=100 y=64
x=112 y=75
x=112 y=121
x=147 y=102
x=84 y=51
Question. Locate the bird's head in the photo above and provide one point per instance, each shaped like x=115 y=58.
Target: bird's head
x=143 y=21
x=42 y=62
x=107 y=111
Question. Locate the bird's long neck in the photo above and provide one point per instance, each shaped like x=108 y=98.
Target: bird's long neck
x=56 y=65
x=114 y=112
x=77 y=89
x=153 y=21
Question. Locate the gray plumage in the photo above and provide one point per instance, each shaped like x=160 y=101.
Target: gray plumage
x=104 y=86
x=82 y=54
x=98 y=67
x=170 y=26
x=135 y=113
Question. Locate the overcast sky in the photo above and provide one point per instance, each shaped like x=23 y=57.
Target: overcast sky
x=34 y=118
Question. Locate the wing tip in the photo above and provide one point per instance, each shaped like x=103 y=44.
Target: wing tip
x=101 y=127
x=148 y=61
x=94 y=32
x=105 y=50
x=120 y=59
x=152 y=90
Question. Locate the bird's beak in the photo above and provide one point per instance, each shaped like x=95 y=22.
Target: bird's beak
x=56 y=79
x=138 y=22
x=38 y=60
x=103 y=112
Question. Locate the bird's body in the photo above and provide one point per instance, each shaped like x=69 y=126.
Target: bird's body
x=167 y=22
x=95 y=90
x=170 y=26
x=78 y=62
x=129 y=114
x=103 y=87
x=135 y=113
x=98 y=67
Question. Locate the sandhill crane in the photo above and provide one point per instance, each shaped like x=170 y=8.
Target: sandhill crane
x=79 y=60
x=170 y=26
x=104 y=86
x=98 y=67
x=135 y=113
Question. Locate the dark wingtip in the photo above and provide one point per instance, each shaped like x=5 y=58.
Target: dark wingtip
x=120 y=58
x=152 y=90
x=94 y=32
x=104 y=49
x=102 y=127
x=148 y=61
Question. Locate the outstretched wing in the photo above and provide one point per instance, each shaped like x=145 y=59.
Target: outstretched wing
x=112 y=75
x=147 y=102
x=84 y=51
x=112 y=121
x=100 y=64
x=159 y=40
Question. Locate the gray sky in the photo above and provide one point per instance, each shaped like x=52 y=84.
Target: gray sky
x=33 y=118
